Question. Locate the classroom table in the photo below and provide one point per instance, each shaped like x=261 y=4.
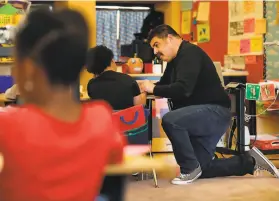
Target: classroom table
x=115 y=180
x=5 y=101
x=137 y=164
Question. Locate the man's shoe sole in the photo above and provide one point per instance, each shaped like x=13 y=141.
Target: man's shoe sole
x=276 y=172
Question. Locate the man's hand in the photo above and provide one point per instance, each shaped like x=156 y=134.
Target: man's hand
x=147 y=86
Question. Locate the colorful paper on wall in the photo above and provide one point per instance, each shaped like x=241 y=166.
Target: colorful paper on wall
x=238 y=62
x=260 y=26
x=250 y=59
x=186 y=5
x=194 y=14
x=186 y=22
x=252 y=91
x=249 y=25
x=236 y=9
x=236 y=28
x=256 y=44
x=267 y=91
x=234 y=47
x=249 y=7
x=244 y=46
x=203 y=33
x=203 y=11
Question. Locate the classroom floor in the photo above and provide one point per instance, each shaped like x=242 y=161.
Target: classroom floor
x=262 y=188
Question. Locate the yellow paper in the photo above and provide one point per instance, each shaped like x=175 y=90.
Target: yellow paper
x=203 y=33
x=260 y=26
x=203 y=11
x=234 y=47
x=236 y=10
x=186 y=22
x=256 y=44
x=249 y=7
x=194 y=14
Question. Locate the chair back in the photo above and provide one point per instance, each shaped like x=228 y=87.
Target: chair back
x=133 y=123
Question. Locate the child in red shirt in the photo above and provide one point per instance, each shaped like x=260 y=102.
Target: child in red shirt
x=54 y=148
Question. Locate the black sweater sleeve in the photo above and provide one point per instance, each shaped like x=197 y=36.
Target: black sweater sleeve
x=165 y=79
x=187 y=70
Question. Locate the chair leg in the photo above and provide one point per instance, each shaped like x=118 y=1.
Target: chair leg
x=154 y=171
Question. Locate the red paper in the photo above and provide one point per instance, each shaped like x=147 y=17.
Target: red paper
x=245 y=46
x=251 y=59
x=249 y=25
x=267 y=91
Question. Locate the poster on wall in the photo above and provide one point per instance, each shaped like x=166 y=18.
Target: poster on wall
x=203 y=12
x=234 y=62
x=186 y=22
x=246 y=28
x=203 y=33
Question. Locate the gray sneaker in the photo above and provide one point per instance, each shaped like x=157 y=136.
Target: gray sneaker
x=262 y=163
x=183 y=179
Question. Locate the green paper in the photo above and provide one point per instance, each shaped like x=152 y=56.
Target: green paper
x=252 y=91
x=8 y=9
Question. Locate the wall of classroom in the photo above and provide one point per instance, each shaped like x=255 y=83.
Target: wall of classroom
x=87 y=8
x=272 y=34
x=171 y=12
x=216 y=48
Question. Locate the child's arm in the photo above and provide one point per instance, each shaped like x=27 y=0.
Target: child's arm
x=117 y=148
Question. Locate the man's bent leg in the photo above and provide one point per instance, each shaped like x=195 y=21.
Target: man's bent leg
x=179 y=137
x=194 y=122
x=204 y=148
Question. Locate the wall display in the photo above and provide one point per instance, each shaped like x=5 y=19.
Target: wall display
x=203 y=11
x=186 y=22
x=250 y=59
x=234 y=62
x=203 y=33
x=246 y=28
x=260 y=26
x=272 y=51
x=11 y=14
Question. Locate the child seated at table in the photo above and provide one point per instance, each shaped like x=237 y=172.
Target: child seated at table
x=118 y=89
x=54 y=147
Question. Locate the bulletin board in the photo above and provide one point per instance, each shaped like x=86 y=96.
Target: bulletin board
x=246 y=29
x=272 y=35
x=217 y=47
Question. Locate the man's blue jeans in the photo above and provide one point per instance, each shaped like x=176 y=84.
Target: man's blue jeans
x=194 y=132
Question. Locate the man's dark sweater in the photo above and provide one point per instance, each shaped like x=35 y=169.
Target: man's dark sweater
x=191 y=79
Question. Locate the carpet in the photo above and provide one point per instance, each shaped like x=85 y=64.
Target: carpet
x=219 y=189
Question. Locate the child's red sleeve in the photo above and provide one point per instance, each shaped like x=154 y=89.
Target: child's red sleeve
x=118 y=144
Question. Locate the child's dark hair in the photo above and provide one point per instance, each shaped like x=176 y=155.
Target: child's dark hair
x=56 y=41
x=98 y=59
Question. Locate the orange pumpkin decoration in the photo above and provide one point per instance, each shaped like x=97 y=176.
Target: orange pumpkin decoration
x=135 y=65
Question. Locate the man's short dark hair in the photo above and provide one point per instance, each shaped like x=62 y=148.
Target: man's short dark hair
x=98 y=59
x=162 y=31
